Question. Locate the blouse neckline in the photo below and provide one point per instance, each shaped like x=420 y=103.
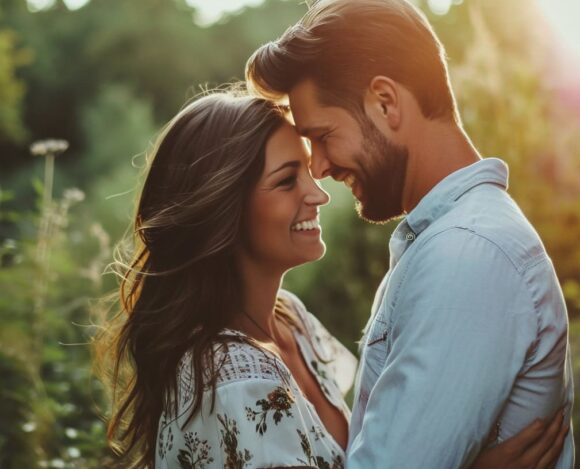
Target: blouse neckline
x=300 y=346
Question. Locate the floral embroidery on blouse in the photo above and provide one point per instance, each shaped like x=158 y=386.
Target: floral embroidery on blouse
x=318 y=461
x=236 y=459
x=280 y=400
x=196 y=453
x=164 y=441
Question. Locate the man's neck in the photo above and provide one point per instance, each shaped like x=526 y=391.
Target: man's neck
x=440 y=149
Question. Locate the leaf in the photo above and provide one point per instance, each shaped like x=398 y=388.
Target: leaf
x=38 y=186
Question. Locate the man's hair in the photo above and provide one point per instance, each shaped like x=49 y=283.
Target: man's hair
x=342 y=44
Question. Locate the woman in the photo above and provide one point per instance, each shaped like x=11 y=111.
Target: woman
x=213 y=364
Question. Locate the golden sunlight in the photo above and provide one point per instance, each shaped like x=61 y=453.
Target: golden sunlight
x=563 y=16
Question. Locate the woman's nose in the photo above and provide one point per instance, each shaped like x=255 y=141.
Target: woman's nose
x=316 y=194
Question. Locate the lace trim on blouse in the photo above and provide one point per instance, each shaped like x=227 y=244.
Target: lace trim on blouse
x=239 y=361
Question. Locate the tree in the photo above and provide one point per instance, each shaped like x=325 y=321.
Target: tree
x=12 y=89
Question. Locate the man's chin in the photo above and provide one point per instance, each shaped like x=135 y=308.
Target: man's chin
x=377 y=215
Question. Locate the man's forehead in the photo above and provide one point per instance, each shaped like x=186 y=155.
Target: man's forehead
x=305 y=88
x=303 y=98
x=307 y=112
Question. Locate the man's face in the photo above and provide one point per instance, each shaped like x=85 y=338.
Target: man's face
x=356 y=153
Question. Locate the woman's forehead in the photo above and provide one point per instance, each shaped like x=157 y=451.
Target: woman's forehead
x=285 y=145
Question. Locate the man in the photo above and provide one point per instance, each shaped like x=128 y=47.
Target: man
x=469 y=327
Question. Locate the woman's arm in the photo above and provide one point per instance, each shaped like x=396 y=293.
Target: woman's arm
x=538 y=445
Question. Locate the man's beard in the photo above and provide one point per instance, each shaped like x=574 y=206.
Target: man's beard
x=383 y=175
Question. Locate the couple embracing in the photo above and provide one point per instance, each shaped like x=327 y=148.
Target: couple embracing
x=465 y=359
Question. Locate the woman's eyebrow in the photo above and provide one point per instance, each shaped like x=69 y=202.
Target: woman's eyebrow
x=293 y=164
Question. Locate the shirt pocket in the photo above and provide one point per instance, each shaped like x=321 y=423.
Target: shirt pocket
x=377 y=344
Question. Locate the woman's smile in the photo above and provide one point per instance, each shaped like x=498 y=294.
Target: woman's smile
x=307 y=227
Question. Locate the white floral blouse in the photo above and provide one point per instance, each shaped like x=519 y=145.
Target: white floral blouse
x=260 y=418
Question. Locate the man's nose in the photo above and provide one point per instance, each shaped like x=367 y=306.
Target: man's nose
x=320 y=166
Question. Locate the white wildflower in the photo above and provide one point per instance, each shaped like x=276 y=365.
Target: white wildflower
x=48 y=147
x=9 y=244
x=29 y=427
x=73 y=452
x=74 y=195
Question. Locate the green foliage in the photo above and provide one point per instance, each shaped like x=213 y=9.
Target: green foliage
x=153 y=48
x=12 y=89
x=51 y=403
x=17 y=448
x=575 y=347
x=118 y=128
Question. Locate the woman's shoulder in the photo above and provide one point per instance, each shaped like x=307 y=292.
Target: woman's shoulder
x=297 y=308
x=312 y=324
x=242 y=361
x=293 y=301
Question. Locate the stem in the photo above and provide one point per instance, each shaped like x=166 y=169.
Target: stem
x=42 y=252
x=48 y=179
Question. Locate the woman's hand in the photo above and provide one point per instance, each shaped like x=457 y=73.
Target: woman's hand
x=537 y=446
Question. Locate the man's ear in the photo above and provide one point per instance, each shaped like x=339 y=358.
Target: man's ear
x=383 y=102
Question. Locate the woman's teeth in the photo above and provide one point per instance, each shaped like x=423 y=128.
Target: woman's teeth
x=305 y=225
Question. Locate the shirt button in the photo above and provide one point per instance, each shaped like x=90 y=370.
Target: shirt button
x=410 y=236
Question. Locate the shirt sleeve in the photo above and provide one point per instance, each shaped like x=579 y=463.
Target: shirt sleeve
x=254 y=423
x=461 y=327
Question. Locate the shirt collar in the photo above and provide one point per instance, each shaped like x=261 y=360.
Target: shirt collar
x=441 y=198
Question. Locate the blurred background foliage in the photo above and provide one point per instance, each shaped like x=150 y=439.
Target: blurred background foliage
x=105 y=77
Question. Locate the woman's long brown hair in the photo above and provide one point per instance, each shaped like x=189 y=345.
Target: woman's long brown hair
x=181 y=286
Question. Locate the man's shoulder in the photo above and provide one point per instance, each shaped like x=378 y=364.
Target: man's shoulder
x=491 y=215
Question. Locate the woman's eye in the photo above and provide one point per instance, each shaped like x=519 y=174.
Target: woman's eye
x=288 y=182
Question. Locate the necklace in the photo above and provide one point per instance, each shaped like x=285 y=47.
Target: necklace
x=266 y=333
x=277 y=358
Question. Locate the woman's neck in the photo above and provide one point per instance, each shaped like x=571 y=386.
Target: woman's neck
x=260 y=287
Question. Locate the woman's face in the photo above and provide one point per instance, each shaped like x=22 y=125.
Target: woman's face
x=282 y=219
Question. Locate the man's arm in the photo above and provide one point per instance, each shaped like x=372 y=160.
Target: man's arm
x=461 y=328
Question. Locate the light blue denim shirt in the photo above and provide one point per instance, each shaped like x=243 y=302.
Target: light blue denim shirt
x=468 y=331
